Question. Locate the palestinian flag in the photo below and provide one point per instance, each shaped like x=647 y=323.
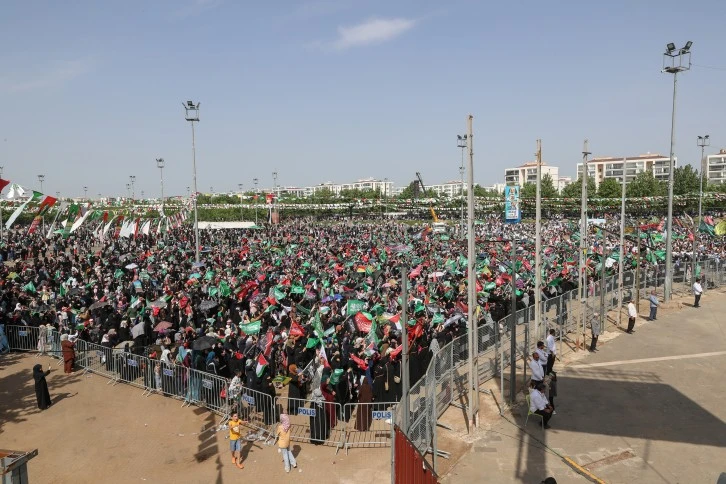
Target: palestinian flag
x=261 y=364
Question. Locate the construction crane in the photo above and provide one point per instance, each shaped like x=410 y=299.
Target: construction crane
x=431 y=205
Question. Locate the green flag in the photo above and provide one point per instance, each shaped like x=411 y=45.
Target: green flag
x=251 y=328
x=29 y=287
x=354 y=306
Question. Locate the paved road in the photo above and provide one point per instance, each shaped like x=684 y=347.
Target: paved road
x=648 y=407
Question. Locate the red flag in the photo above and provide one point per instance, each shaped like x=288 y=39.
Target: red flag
x=396 y=352
x=3 y=184
x=416 y=272
x=296 y=330
x=361 y=364
x=268 y=347
x=363 y=322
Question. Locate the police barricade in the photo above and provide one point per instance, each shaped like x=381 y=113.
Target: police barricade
x=208 y=390
x=370 y=424
x=23 y=338
x=310 y=422
x=133 y=369
x=259 y=410
x=168 y=379
x=98 y=359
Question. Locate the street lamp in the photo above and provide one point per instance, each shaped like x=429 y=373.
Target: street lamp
x=133 y=189
x=255 y=181
x=85 y=192
x=40 y=179
x=702 y=142
x=674 y=61
x=160 y=166
x=192 y=114
x=274 y=183
x=461 y=143
x=128 y=190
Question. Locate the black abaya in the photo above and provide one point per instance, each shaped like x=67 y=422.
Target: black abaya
x=41 y=387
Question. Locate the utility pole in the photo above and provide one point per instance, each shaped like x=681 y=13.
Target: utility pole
x=461 y=143
x=602 y=280
x=622 y=251
x=473 y=407
x=133 y=189
x=637 y=269
x=404 y=341
x=703 y=141
x=538 y=245
x=583 y=239
x=513 y=331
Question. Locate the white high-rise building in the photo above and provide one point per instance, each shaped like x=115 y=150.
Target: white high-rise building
x=716 y=168
x=629 y=167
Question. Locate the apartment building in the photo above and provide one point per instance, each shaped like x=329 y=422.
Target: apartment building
x=627 y=167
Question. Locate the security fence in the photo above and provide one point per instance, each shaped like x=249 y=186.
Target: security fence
x=318 y=423
x=446 y=381
x=368 y=424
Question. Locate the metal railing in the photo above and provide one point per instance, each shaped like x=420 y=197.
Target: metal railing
x=446 y=380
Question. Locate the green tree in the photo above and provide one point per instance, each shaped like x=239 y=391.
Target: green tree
x=529 y=190
x=547 y=187
x=323 y=195
x=645 y=185
x=610 y=188
x=411 y=191
x=574 y=190
x=685 y=180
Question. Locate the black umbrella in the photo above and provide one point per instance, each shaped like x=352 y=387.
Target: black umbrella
x=99 y=304
x=203 y=343
x=207 y=305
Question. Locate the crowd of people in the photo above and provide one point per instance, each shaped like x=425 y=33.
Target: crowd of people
x=318 y=304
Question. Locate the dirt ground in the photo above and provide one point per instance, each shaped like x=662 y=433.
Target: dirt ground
x=96 y=432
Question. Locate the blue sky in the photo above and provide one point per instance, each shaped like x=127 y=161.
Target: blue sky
x=340 y=89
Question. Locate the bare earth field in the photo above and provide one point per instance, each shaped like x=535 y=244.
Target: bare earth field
x=96 y=432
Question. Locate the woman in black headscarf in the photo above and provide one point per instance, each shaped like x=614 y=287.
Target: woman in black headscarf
x=41 y=387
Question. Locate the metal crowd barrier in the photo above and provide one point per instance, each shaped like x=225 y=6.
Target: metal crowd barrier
x=312 y=423
x=23 y=338
x=259 y=410
x=370 y=424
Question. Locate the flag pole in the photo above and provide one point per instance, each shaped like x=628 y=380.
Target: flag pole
x=472 y=408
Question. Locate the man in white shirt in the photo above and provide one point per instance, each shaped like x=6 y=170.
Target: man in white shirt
x=632 y=314
x=542 y=352
x=551 y=352
x=536 y=368
x=697 y=291
x=539 y=404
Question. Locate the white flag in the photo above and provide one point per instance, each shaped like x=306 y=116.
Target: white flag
x=15 y=191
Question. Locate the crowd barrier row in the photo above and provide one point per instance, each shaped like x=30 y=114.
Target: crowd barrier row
x=446 y=381
x=331 y=424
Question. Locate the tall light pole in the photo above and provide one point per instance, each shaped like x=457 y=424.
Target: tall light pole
x=128 y=190
x=192 y=115
x=255 y=181
x=85 y=192
x=188 y=191
x=132 y=178
x=40 y=179
x=241 y=214
x=674 y=61
x=160 y=165
x=473 y=407
x=621 y=253
x=702 y=142
x=583 y=238
x=274 y=183
x=461 y=143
